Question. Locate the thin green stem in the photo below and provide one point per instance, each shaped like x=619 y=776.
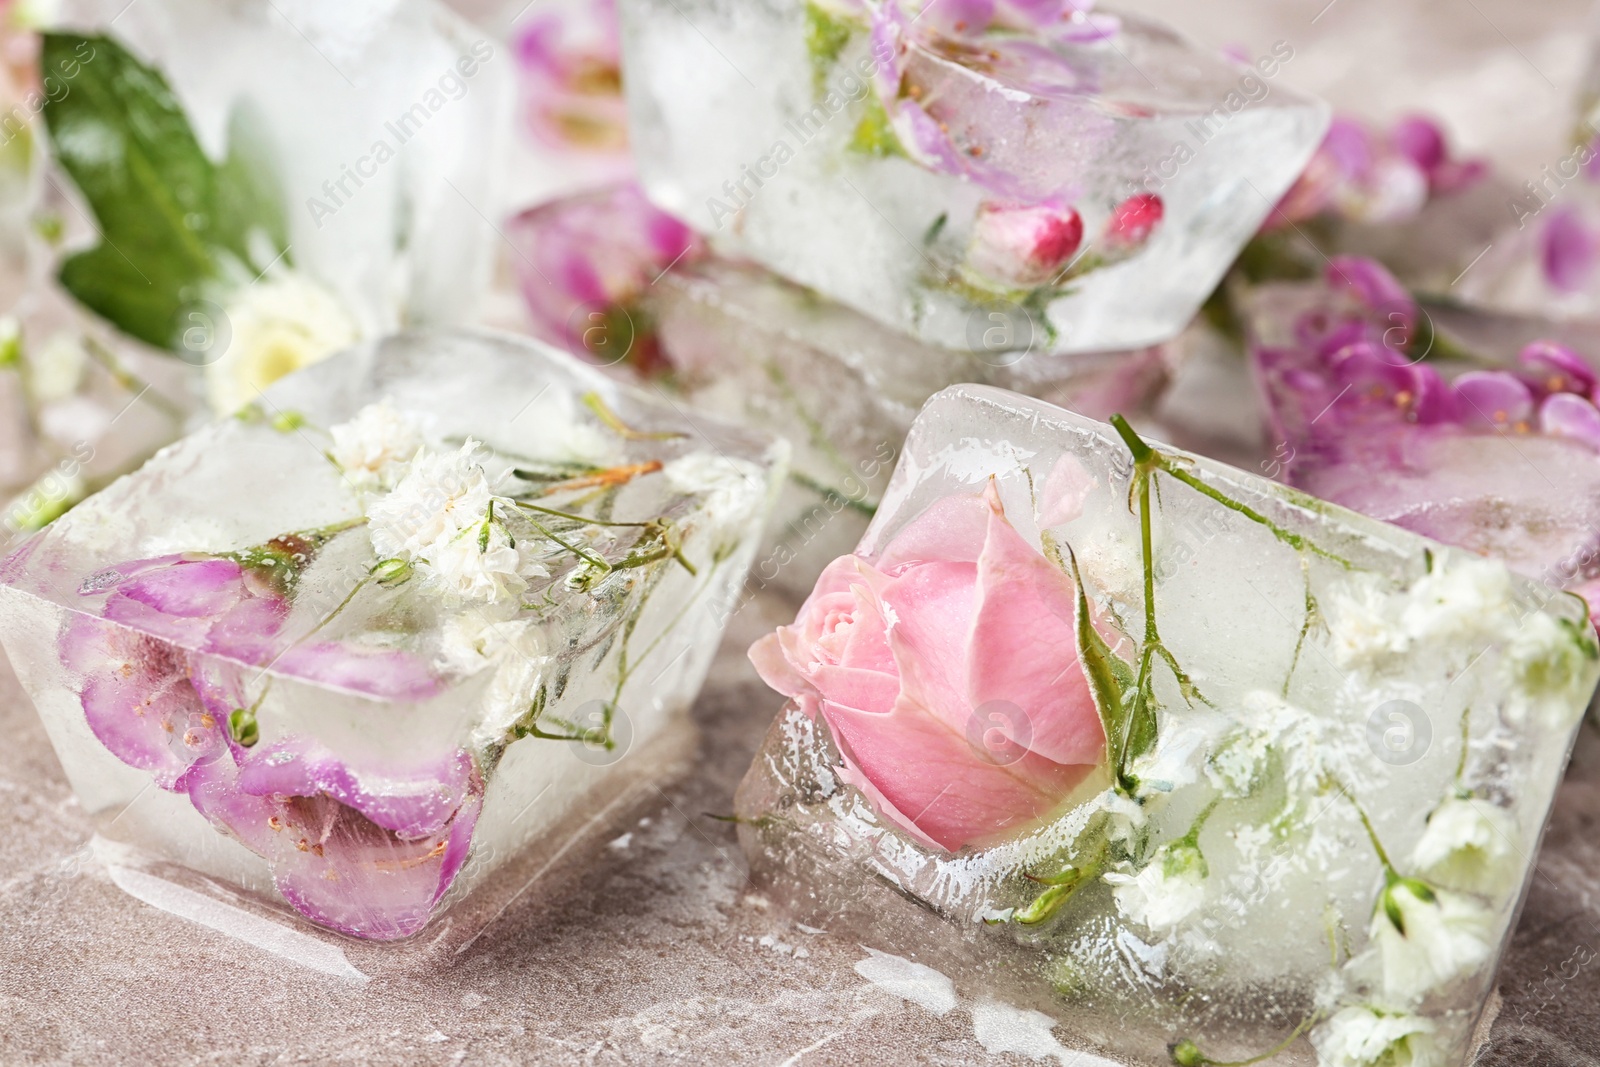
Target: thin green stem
x=585 y=519
x=1182 y=1054
x=130 y=381
x=362 y=584
x=1466 y=741
x=588 y=557
x=826 y=491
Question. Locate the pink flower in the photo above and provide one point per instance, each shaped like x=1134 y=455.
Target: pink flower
x=1502 y=462
x=570 y=63
x=946 y=669
x=583 y=262
x=1568 y=250
x=180 y=644
x=1023 y=245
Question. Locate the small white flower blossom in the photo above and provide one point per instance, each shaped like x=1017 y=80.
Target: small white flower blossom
x=1460 y=603
x=373 y=448
x=1165 y=892
x=442 y=494
x=483 y=564
x=1552 y=665
x=1460 y=600
x=480 y=639
x=1427 y=938
x=274 y=327
x=1125 y=817
x=1370 y=1037
x=731 y=491
x=1361 y=623
x=1470 y=846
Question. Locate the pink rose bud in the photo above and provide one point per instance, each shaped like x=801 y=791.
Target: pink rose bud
x=1023 y=245
x=946 y=669
x=1132 y=223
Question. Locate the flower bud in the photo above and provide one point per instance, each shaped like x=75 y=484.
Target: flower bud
x=1132 y=223
x=1023 y=245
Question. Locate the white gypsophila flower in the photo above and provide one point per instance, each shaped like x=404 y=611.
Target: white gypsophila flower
x=273 y=327
x=484 y=564
x=1361 y=617
x=1370 y=1037
x=1460 y=600
x=1469 y=845
x=440 y=495
x=1165 y=892
x=373 y=448
x=1125 y=817
x=1427 y=938
x=1551 y=666
x=730 y=490
x=1236 y=766
x=484 y=638
x=56 y=367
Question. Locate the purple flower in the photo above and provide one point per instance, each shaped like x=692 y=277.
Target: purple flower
x=1503 y=462
x=1568 y=250
x=1364 y=175
x=584 y=260
x=366 y=849
x=371 y=863
x=1379 y=292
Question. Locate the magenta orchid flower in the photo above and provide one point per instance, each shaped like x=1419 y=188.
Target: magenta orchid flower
x=584 y=260
x=1505 y=462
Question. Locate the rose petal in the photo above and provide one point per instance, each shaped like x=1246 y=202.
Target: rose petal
x=1570 y=415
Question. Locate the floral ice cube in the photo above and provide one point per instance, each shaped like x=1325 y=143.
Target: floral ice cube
x=1088 y=175
x=361 y=644
x=1476 y=429
x=378 y=128
x=1202 y=766
x=616 y=280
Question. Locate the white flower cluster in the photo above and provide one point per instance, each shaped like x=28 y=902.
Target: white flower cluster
x=1364 y=1036
x=483 y=639
x=270 y=328
x=1163 y=893
x=1462 y=604
x=731 y=492
x=444 y=516
x=373 y=449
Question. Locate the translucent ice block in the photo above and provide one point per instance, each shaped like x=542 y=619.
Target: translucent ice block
x=384 y=123
x=360 y=646
x=616 y=281
x=1094 y=172
x=1201 y=766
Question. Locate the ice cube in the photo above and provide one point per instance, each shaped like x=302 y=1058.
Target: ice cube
x=385 y=123
x=1089 y=175
x=1203 y=766
x=362 y=644
x=1477 y=429
x=615 y=280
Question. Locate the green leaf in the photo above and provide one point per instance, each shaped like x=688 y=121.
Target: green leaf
x=128 y=146
x=1111 y=681
x=874 y=135
x=826 y=35
x=173 y=223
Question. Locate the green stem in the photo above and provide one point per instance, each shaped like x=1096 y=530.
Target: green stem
x=588 y=557
x=584 y=519
x=1305 y=627
x=1188 y=1054
x=131 y=382
x=362 y=584
x=597 y=404
x=1466 y=739
x=827 y=491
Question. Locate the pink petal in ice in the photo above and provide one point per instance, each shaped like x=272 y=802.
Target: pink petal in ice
x=1572 y=416
x=1493 y=400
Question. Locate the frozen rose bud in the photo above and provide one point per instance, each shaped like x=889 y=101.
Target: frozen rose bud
x=1023 y=245
x=959 y=622
x=1568 y=250
x=1132 y=223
